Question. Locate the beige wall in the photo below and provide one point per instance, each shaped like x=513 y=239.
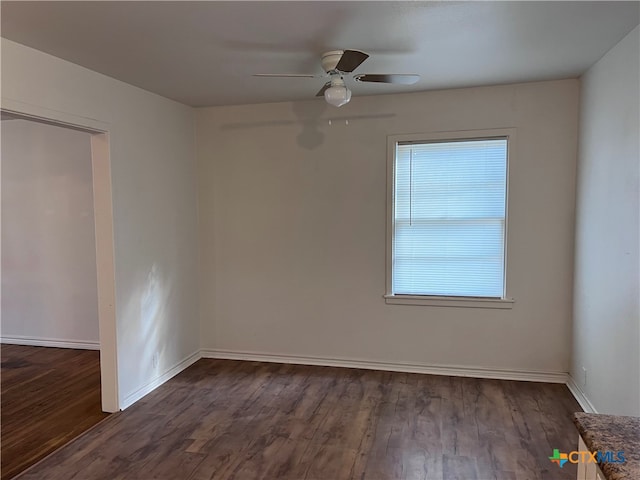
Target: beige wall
x=607 y=284
x=153 y=175
x=48 y=242
x=292 y=230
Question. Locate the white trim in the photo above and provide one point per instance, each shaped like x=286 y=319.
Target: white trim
x=468 y=302
x=50 y=342
x=38 y=113
x=156 y=382
x=580 y=396
x=451 y=370
x=427 y=369
x=105 y=269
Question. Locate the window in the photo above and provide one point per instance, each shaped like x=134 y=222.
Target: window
x=447 y=219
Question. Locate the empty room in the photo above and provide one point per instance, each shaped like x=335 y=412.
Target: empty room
x=323 y=240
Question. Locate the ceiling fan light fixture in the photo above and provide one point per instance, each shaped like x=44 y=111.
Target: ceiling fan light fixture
x=337 y=95
x=337 y=64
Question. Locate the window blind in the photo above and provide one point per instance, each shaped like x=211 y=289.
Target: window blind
x=449 y=218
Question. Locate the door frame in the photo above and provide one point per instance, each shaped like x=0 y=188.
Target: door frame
x=103 y=218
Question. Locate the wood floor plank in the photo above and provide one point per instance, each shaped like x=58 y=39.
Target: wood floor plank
x=247 y=420
x=458 y=425
x=456 y=467
x=48 y=397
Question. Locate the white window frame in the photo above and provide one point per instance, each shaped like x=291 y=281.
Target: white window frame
x=437 y=300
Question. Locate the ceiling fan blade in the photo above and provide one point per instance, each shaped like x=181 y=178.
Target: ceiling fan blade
x=350 y=60
x=296 y=75
x=321 y=92
x=397 y=78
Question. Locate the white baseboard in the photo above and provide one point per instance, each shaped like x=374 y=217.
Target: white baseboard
x=49 y=342
x=451 y=370
x=580 y=396
x=156 y=382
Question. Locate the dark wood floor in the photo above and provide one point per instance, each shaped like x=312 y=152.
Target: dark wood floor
x=247 y=420
x=48 y=397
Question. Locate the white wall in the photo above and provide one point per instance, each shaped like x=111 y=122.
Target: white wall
x=154 y=204
x=292 y=230
x=606 y=327
x=48 y=240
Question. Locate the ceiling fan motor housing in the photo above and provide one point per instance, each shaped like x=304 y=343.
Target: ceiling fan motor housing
x=330 y=60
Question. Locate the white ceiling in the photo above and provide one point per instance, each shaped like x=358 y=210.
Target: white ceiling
x=204 y=53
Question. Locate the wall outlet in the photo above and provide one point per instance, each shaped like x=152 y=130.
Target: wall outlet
x=584 y=377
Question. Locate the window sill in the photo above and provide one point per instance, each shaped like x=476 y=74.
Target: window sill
x=465 y=302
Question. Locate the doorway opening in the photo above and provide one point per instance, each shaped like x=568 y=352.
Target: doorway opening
x=58 y=327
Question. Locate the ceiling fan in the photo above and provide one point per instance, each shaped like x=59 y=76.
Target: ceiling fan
x=337 y=64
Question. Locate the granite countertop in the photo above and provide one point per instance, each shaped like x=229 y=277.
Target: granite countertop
x=613 y=433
